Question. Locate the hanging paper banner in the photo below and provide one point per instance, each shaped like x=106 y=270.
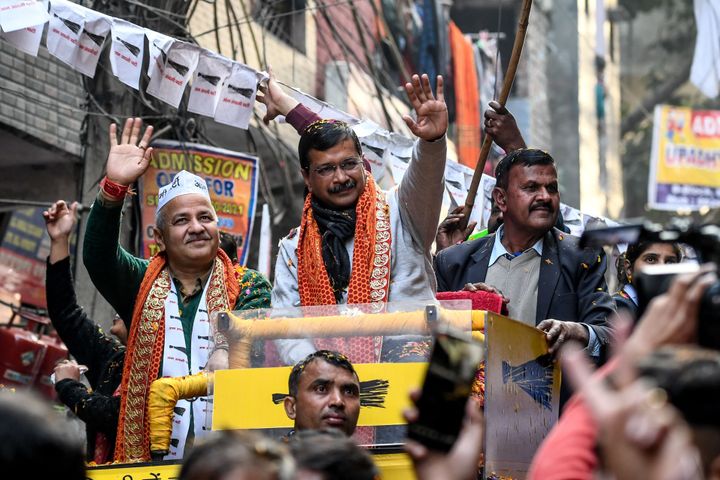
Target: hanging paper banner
x=685 y=161
x=26 y=40
x=400 y=152
x=95 y=31
x=19 y=14
x=376 y=151
x=170 y=82
x=64 y=32
x=323 y=109
x=126 y=54
x=231 y=179
x=455 y=183
x=210 y=75
x=238 y=96
x=158 y=46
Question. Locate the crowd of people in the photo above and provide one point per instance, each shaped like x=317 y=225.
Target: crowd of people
x=648 y=412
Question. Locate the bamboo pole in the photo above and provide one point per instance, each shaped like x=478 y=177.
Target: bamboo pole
x=504 y=93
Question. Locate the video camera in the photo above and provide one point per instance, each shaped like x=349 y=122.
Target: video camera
x=655 y=280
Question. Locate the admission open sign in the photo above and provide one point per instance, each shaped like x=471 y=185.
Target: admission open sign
x=231 y=179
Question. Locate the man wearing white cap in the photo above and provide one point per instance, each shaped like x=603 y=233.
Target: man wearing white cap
x=168 y=298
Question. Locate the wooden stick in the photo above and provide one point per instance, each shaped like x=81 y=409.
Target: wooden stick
x=504 y=93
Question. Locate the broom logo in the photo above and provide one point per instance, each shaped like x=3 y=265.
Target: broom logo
x=372 y=394
x=534 y=377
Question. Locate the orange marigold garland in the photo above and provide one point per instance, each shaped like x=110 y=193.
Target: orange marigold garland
x=370 y=278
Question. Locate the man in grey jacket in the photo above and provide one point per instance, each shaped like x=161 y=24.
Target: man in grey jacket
x=356 y=243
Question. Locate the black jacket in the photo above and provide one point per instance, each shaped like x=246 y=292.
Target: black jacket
x=103 y=355
x=571 y=286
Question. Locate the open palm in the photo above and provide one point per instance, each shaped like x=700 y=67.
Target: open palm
x=431 y=111
x=128 y=160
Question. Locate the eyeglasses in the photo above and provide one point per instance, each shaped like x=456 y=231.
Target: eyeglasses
x=346 y=166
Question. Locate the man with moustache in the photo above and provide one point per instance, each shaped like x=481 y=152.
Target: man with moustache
x=356 y=243
x=549 y=281
x=169 y=299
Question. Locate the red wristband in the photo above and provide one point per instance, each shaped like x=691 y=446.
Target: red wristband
x=113 y=190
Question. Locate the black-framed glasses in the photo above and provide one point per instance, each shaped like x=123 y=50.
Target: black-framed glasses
x=345 y=166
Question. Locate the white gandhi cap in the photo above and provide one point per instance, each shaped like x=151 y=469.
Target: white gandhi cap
x=184 y=183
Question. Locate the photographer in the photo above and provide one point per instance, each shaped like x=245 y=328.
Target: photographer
x=570 y=450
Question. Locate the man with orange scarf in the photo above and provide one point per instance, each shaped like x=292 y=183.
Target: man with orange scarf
x=169 y=298
x=356 y=243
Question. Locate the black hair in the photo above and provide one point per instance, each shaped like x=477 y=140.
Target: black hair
x=690 y=375
x=229 y=246
x=322 y=135
x=633 y=252
x=329 y=356
x=224 y=451
x=35 y=442
x=333 y=455
x=527 y=157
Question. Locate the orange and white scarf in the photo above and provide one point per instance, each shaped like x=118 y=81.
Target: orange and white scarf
x=146 y=344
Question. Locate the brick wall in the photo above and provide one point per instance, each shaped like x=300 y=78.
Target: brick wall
x=51 y=108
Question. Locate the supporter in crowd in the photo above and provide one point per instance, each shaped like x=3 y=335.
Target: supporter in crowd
x=324 y=393
x=330 y=455
x=449 y=234
x=500 y=124
x=570 y=450
x=356 y=243
x=168 y=299
x=35 y=441
x=637 y=256
x=103 y=355
x=549 y=281
x=237 y=455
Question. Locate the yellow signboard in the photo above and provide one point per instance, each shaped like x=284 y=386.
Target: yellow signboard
x=244 y=397
x=685 y=161
x=393 y=466
x=130 y=471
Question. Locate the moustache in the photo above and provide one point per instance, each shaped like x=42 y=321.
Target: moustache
x=194 y=237
x=543 y=205
x=349 y=185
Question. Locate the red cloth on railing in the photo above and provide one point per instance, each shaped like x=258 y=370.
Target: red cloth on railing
x=481 y=300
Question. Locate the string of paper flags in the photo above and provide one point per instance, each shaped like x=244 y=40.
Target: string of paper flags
x=220 y=88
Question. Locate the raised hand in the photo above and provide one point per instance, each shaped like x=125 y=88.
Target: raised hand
x=641 y=435
x=501 y=126
x=432 y=115
x=275 y=99
x=449 y=232
x=128 y=160
x=60 y=220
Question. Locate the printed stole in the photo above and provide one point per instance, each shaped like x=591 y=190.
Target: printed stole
x=146 y=347
x=370 y=276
